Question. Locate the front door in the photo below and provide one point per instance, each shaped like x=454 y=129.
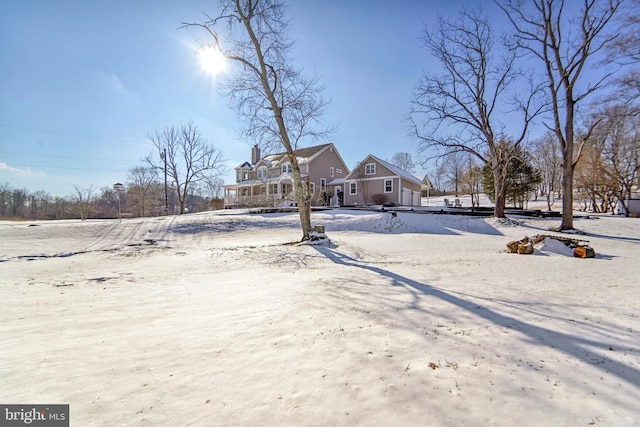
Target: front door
x=338 y=196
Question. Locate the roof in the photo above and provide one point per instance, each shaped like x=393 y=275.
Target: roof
x=304 y=155
x=426 y=183
x=396 y=170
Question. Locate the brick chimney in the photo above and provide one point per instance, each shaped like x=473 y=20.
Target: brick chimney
x=255 y=154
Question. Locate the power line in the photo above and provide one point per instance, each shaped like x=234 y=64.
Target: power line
x=72 y=134
x=58 y=156
x=63 y=167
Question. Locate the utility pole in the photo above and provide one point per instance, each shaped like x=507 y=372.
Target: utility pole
x=119 y=188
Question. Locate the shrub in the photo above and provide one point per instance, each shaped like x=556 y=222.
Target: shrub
x=378 y=199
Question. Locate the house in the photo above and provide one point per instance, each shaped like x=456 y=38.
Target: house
x=632 y=205
x=268 y=180
x=426 y=186
x=375 y=181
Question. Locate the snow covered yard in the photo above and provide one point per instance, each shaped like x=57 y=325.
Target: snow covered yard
x=218 y=319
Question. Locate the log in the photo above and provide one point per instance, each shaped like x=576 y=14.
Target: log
x=512 y=247
x=566 y=240
x=525 y=248
x=584 y=252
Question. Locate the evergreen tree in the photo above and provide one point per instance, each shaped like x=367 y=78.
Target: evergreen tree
x=521 y=180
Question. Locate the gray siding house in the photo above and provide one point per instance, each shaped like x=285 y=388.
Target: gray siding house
x=268 y=181
x=374 y=180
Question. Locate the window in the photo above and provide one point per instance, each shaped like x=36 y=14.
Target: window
x=313 y=188
x=323 y=184
x=286 y=168
x=331 y=171
x=370 y=169
x=338 y=170
x=262 y=172
x=353 y=188
x=245 y=175
x=388 y=186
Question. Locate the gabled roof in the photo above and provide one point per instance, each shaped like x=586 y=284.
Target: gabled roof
x=396 y=170
x=426 y=183
x=304 y=155
x=262 y=162
x=245 y=165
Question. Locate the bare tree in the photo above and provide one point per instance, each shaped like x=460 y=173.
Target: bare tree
x=454 y=166
x=404 y=161
x=472 y=180
x=190 y=159
x=460 y=110
x=5 y=198
x=548 y=159
x=626 y=49
x=279 y=106
x=39 y=203
x=106 y=203
x=18 y=199
x=439 y=178
x=82 y=200
x=620 y=138
x=143 y=188
x=564 y=46
x=594 y=189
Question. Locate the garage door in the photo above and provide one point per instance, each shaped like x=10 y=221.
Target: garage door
x=406 y=197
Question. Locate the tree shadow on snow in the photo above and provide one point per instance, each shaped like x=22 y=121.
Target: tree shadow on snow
x=574 y=346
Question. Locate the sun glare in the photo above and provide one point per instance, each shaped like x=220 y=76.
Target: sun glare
x=212 y=61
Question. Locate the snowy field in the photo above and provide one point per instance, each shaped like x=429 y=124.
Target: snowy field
x=220 y=319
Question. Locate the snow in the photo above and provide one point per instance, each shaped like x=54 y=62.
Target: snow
x=221 y=318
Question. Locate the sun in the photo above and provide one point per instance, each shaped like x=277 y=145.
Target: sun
x=212 y=61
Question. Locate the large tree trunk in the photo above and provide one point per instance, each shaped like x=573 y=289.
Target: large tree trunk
x=182 y=197
x=567 y=196
x=500 y=191
x=302 y=199
x=568 y=165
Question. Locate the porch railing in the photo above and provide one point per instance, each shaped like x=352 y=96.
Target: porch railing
x=257 y=201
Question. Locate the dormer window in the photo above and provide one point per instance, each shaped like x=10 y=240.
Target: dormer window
x=262 y=172
x=286 y=168
x=242 y=175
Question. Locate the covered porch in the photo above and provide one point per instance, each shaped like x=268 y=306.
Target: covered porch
x=258 y=193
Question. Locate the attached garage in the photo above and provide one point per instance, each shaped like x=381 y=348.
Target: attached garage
x=406 y=197
x=374 y=179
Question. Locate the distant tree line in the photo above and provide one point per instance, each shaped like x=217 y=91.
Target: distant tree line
x=87 y=203
x=192 y=183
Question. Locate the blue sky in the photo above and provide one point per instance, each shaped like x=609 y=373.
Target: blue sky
x=83 y=83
